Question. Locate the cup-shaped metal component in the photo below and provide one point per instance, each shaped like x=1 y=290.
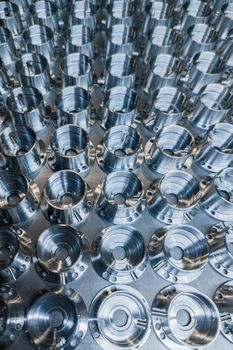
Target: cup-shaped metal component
x=80 y=38
x=62 y=254
x=119 y=199
x=19 y=198
x=223 y=299
x=76 y=71
x=217 y=152
x=224 y=21
x=120 y=149
x=67 y=198
x=73 y=107
x=168 y=109
x=120 y=316
x=27 y=108
x=22 y=151
x=23 y=6
x=218 y=201
x=72 y=149
x=200 y=37
x=211 y=107
x=39 y=39
x=10 y=17
x=120 y=12
x=172 y=199
x=120 y=38
x=120 y=107
x=14 y=257
x=12 y=316
x=165 y=71
x=169 y=150
x=184 y=318
x=83 y=12
x=195 y=12
x=55 y=318
x=120 y=71
x=162 y=40
x=32 y=70
x=119 y=254
x=179 y=254
x=7 y=49
x=158 y=13
x=45 y=13
x=5 y=81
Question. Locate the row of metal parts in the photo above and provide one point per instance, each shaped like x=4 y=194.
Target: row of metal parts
x=119 y=316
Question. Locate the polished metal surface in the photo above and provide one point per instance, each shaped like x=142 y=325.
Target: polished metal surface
x=80 y=38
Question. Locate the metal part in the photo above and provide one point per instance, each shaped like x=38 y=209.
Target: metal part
x=76 y=71
x=83 y=12
x=67 y=199
x=178 y=254
x=5 y=81
x=224 y=21
x=27 y=108
x=158 y=13
x=223 y=299
x=22 y=151
x=120 y=12
x=57 y=319
x=173 y=199
x=120 y=107
x=10 y=18
x=80 y=38
x=184 y=318
x=15 y=258
x=119 y=254
x=119 y=199
x=170 y=150
x=45 y=13
x=62 y=253
x=216 y=153
x=74 y=107
x=120 y=38
x=71 y=149
x=7 y=50
x=120 y=318
x=195 y=12
x=120 y=149
x=12 y=316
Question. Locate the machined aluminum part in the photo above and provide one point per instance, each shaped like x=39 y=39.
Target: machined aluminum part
x=224 y=20
x=23 y=6
x=74 y=107
x=168 y=109
x=32 y=70
x=184 y=318
x=5 y=80
x=67 y=199
x=45 y=13
x=212 y=106
x=120 y=12
x=216 y=153
x=15 y=258
x=12 y=316
x=80 y=38
x=120 y=38
x=194 y=12
x=120 y=149
x=7 y=50
x=165 y=71
x=22 y=151
x=62 y=254
x=158 y=13
x=120 y=70
x=119 y=254
x=57 y=319
x=76 y=71
x=71 y=149
x=218 y=200
x=173 y=199
x=26 y=107
x=223 y=299
x=207 y=68
x=170 y=150
x=10 y=17
x=119 y=199
x=120 y=107
x=178 y=254
x=83 y=12
x=19 y=198
x=119 y=318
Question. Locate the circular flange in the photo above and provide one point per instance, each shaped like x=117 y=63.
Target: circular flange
x=178 y=254
x=12 y=316
x=119 y=254
x=57 y=320
x=223 y=298
x=119 y=318
x=62 y=253
x=184 y=318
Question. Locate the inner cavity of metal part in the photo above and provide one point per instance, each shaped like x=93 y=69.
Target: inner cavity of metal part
x=203 y=33
x=175 y=141
x=75 y=64
x=23 y=100
x=221 y=138
x=31 y=64
x=72 y=100
x=120 y=65
x=79 y=35
x=43 y=9
x=69 y=141
x=9 y=247
x=17 y=142
x=121 y=101
x=166 y=66
x=121 y=34
x=37 y=35
x=163 y=36
x=121 y=9
x=13 y=188
x=122 y=140
x=208 y=62
x=223 y=184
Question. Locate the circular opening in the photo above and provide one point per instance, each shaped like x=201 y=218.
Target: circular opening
x=67 y=199
x=69 y=140
x=119 y=253
x=72 y=100
x=56 y=318
x=61 y=253
x=183 y=317
x=119 y=152
x=75 y=65
x=121 y=100
x=22 y=100
x=17 y=141
x=14 y=199
x=119 y=198
x=172 y=198
x=120 y=318
x=122 y=140
x=177 y=253
x=175 y=141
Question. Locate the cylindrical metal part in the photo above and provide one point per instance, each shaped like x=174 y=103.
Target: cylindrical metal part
x=7 y=49
x=120 y=38
x=45 y=13
x=83 y=12
x=120 y=12
x=80 y=38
